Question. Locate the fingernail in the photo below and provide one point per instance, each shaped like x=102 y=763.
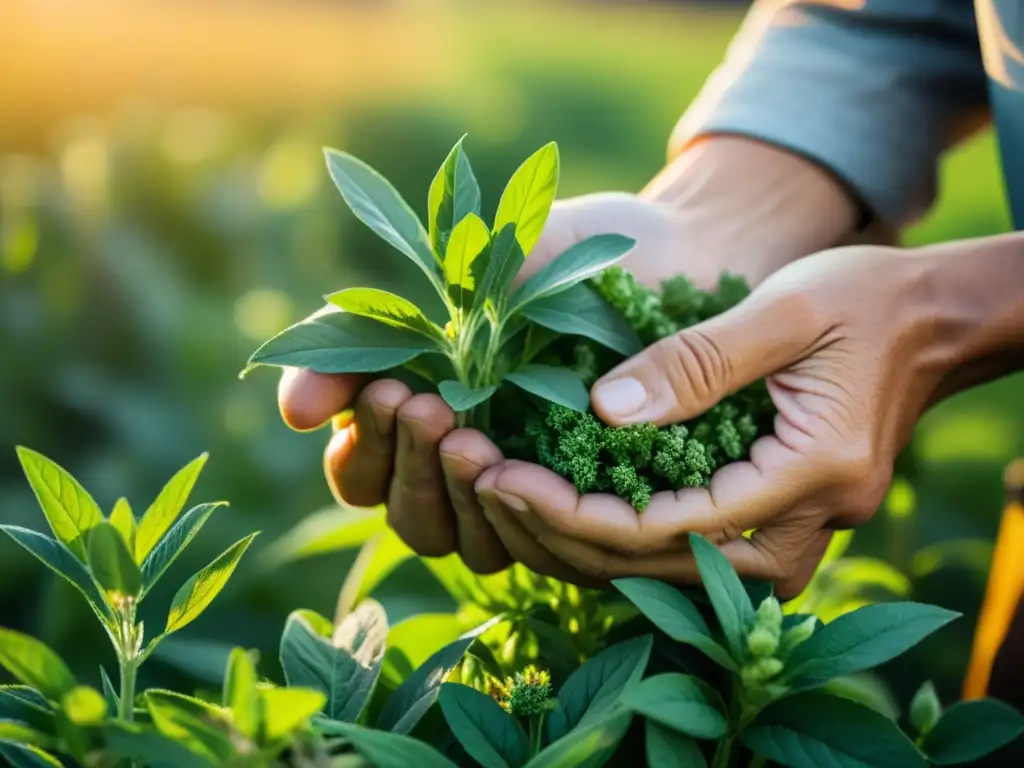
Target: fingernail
x=514 y=503
x=621 y=397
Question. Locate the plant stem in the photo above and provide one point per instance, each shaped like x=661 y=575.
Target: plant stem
x=126 y=710
x=536 y=734
x=723 y=753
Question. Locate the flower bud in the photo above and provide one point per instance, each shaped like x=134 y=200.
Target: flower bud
x=795 y=635
x=925 y=709
x=760 y=671
x=769 y=615
x=762 y=642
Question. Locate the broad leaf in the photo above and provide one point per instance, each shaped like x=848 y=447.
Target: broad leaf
x=810 y=730
x=112 y=564
x=388 y=308
x=669 y=747
x=124 y=521
x=556 y=385
x=725 y=590
x=587 y=747
x=504 y=260
x=675 y=615
x=240 y=695
x=333 y=341
x=581 y=311
x=60 y=560
x=166 y=507
x=329 y=530
x=468 y=242
x=863 y=639
x=192 y=723
x=681 y=702
x=387 y=750
x=969 y=730
x=20 y=702
x=127 y=741
x=580 y=262
x=487 y=732
x=593 y=688
x=84 y=706
x=462 y=398
x=527 y=198
x=174 y=543
x=420 y=636
x=454 y=193
x=33 y=663
x=197 y=593
x=288 y=709
x=377 y=204
x=68 y=507
x=27 y=756
x=378 y=558
x=415 y=696
x=345 y=666
x=15 y=732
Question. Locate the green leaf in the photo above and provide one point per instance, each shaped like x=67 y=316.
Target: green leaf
x=33 y=663
x=15 y=732
x=462 y=398
x=174 y=543
x=556 y=385
x=379 y=206
x=453 y=195
x=128 y=741
x=27 y=756
x=68 y=507
x=112 y=564
x=166 y=507
x=580 y=311
x=580 y=262
x=421 y=636
x=487 y=732
x=810 y=730
x=343 y=663
x=329 y=530
x=586 y=747
x=468 y=242
x=527 y=198
x=288 y=709
x=109 y=692
x=20 y=702
x=668 y=747
x=504 y=260
x=124 y=521
x=865 y=688
x=84 y=706
x=863 y=639
x=197 y=593
x=378 y=558
x=725 y=591
x=414 y=697
x=198 y=726
x=388 y=308
x=240 y=694
x=387 y=750
x=332 y=341
x=675 y=615
x=597 y=685
x=58 y=559
x=969 y=730
x=925 y=708
x=682 y=702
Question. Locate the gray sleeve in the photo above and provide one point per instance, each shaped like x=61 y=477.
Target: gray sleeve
x=869 y=89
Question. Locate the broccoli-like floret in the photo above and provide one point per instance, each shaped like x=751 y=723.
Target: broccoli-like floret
x=681 y=460
x=637 y=303
x=630 y=486
x=576 y=447
x=630 y=445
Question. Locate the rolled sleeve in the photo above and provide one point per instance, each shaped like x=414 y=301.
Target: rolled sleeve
x=872 y=90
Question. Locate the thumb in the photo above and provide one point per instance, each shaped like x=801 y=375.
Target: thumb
x=683 y=375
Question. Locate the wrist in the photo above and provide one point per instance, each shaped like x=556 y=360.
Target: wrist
x=752 y=207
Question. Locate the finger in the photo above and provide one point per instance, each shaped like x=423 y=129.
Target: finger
x=418 y=506
x=465 y=455
x=307 y=400
x=360 y=457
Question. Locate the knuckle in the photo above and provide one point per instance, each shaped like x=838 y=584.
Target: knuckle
x=694 y=365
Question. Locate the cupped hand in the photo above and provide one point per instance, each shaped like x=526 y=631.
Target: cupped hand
x=853 y=355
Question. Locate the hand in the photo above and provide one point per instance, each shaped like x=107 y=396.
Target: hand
x=854 y=351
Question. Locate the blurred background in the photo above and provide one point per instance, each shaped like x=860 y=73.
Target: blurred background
x=164 y=209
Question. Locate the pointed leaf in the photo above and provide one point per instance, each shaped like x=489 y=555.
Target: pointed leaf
x=34 y=664
x=557 y=385
x=462 y=398
x=488 y=733
x=109 y=693
x=166 y=507
x=240 y=694
x=58 y=559
x=387 y=750
x=580 y=262
x=385 y=307
x=675 y=615
x=415 y=696
x=287 y=709
x=27 y=756
x=129 y=741
x=586 y=747
x=681 y=702
x=969 y=730
x=112 y=564
x=468 y=242
x=580 y=311
x=863 y=639
x=333 y=341
x=68 y=507
x=192 y=723
x=453 y=195
x=725 y=590
x=526 y=201
x=84 y=706
x=378 y=558
x=504 y=260
x=124 y=521
x=329 y=530
x=197 y=593
x=174 y=543
x=668 y=747
x=20 y=702
x=345 y=666
x=377 y=204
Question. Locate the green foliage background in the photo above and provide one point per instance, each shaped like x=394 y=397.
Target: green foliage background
x=143 y=260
